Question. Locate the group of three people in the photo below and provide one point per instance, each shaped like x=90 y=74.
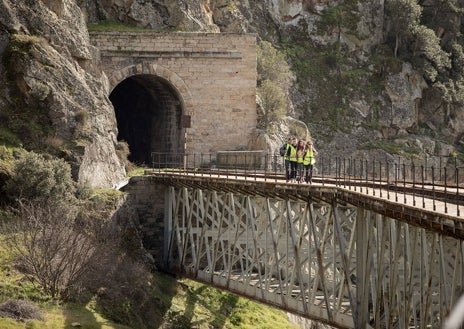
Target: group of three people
x=300 y=157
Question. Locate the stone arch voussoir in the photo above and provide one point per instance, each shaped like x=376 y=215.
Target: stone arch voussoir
x=160 y=71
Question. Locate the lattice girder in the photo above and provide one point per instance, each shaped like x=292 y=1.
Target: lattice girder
x=334 y=263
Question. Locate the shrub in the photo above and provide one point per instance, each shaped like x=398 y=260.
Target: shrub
x=37 y=178
x=20 y=310
x=406 y=14
x=81 y=117
x=123 y=152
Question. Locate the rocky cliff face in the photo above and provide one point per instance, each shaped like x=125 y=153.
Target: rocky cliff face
x=356 y=91
x=48 y=75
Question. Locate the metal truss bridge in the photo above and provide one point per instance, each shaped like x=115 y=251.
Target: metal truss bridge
x=348 y=251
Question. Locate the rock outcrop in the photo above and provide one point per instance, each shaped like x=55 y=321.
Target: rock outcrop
x=48 y=69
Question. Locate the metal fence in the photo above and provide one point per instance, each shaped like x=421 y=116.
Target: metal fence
x=434 y=170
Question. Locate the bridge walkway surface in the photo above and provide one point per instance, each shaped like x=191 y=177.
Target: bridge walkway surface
x=351 y=253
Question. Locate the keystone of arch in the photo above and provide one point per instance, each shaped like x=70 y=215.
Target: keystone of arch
x=154 y=69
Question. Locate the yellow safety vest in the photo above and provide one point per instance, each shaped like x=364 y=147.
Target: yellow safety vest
x=292 y=156
x=286 y=156
x=309 y=158
x=300 y=156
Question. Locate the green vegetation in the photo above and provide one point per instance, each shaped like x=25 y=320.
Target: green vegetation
x=392 y=147
x=205 y=307
x=63 y=263
x=273 y=102
x=8 y=138
x=328 y=76
x=113 y=26
x=136 y=171
x=415 y=36
x=14 y=285
x=307 y=62
x=24 y=120
x=331 y=16
x=272 y=66
x=338 y=17
x=318 y=70
x=274 y=80
x=38 y=178
x=22 y=46
x=182 y=304
x=82 y=118
x=344 y=16
x=407 y=14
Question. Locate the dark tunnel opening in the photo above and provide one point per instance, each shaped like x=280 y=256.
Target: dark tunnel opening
x=148 y=113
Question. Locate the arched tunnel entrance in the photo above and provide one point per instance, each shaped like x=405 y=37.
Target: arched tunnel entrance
x=148 y=112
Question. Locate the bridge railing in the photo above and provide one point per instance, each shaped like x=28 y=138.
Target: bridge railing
x=440 y=170
x=434 y=177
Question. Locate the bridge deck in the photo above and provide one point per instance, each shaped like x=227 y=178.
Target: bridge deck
x=432 y=207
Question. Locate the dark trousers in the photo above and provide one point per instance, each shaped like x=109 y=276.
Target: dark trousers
x=300 y=171
x=288 y=170
x=309 y=173
x=293 y=166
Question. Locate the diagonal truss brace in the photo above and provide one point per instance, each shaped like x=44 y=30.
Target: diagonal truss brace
x=330 y=262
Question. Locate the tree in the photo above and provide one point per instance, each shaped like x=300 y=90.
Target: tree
x=428 y=45
x=273 y=66
x=50 y=247
x=274 y=80
x=272 y=101
x=457 y=56
x=405 y=16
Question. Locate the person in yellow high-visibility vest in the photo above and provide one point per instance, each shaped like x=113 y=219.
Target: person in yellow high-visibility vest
x=292 y=160
x=287 y=158
x=308 y=161
x=300 y=152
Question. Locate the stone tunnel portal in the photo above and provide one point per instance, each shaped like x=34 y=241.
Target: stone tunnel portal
x=148 y=113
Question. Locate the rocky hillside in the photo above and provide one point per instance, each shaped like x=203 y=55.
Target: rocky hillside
x=371 y=76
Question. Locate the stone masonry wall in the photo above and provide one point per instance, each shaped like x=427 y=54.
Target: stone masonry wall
x=145 y=206
x=214 y=74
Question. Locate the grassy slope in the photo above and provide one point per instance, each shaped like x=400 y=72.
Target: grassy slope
x=192 y=305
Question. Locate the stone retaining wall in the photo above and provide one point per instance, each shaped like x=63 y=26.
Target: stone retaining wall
x=145 y=205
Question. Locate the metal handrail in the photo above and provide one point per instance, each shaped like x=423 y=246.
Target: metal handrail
x=395 y=176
